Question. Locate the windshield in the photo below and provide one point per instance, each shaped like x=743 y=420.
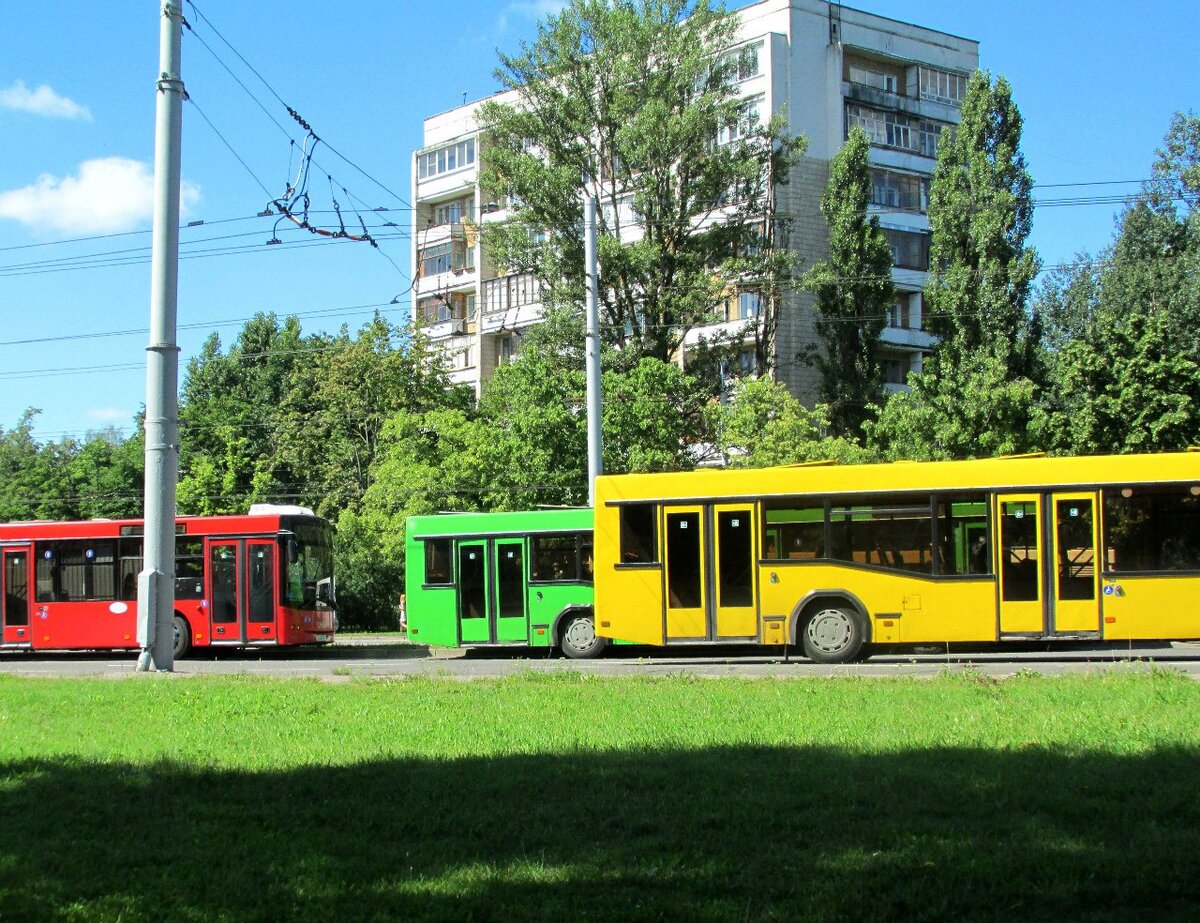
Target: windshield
x=308 y=574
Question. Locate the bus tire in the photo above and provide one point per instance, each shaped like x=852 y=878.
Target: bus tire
x=833 y=634
x=577 y=637
x=183 y=637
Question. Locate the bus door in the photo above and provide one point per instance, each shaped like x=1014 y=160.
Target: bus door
x=14 y=596
x=736 y=613
x=685 y=574
x=241 y=591
x=492 y=598
x=1076 y=592
x=709 y=572
x=1020 y=550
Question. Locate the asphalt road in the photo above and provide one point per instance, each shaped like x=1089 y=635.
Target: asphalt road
x=392 y=657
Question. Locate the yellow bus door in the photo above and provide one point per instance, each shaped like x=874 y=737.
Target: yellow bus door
x=1076 y=594
x=686 y=575
x=736 y=613
x=1020 y=547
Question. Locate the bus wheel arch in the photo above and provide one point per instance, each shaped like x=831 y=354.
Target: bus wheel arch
x=575 y=634
x=183 y=635
x=832 y=626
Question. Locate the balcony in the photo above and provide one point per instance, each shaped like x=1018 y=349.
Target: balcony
x=511 y=301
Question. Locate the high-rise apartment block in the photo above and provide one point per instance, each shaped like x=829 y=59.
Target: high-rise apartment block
x=829 y=68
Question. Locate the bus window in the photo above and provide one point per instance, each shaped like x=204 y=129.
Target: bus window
x=963 y=537
x=683 y=552
x=1152 y=528
x=437 y=562
x=735 y=577
x=794 y=530
x=554 y=558
x=893 y=532
x=77 y=570
x=189 y=568
x=638 y=536
x=1019 y=544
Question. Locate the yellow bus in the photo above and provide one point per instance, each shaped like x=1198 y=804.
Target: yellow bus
x=837 y=558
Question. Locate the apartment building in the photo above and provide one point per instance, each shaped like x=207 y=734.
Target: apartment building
x=829 y=68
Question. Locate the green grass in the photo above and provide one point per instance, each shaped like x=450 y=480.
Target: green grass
x=573 y=798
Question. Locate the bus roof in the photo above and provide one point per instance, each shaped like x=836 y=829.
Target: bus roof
x=1009 y=474
x=507 y=523
x=184 y=525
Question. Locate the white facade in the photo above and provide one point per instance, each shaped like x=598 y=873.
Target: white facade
x=828 y=68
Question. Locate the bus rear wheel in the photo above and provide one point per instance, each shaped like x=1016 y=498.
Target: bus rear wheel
x=578 y=639
x=833 y=634
x=183 y=637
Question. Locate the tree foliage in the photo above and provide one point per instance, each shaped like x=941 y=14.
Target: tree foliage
x=764 y=425
x=976 y=394
x=627 y=98
x=1123 y=348
x=854 y=291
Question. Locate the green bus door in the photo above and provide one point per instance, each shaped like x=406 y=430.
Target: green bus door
x=492 y=598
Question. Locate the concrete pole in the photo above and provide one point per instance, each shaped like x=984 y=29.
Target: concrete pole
x=156 y=583
x=592 y=351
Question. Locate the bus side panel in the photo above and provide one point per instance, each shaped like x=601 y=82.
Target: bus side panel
x=547 y=600
x=433 y=615
x=919 y=609
x=629 y=603
x=1155 y=607
x=82 y=625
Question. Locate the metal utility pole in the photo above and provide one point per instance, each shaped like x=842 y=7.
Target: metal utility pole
x=156 y=582
x=592 y=347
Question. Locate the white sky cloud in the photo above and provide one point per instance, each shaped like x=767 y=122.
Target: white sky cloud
x=43 y=101
x=106 y=196
x=529 y=9
x=109 y=414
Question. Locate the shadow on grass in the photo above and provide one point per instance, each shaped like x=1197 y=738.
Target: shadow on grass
x=712 y=834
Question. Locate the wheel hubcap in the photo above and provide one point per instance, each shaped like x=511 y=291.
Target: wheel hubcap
x=830 y=631
x=581 y=634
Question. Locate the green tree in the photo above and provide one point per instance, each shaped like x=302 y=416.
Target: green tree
x=106 y=475
x=33 y=482
x=634 y=95
x=1123 y=350
x=977 y=390
x=328 y=424
x=227 y=417
x=764 y=425
x=854 y=291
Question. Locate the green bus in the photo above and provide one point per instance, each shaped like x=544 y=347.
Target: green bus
x=502 y=579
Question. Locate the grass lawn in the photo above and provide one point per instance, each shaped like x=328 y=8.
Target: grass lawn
x=562 y=798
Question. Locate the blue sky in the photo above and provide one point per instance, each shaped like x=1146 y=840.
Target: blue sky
x=1097 y=83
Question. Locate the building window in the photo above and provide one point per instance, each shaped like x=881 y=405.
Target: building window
x=453 y=212
x=942 y=86
x=506 y=350
x=910 y=249
x=446 y=159
x=747 y=61
x=454 y=306
x=906 y=191
x=746 y=124
x=893 y=129
x=455 y=256
x=876 y=77
x=895 y=369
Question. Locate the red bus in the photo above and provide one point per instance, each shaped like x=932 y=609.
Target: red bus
x=260 y=580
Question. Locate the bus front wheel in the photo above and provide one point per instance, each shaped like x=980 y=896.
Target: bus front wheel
x=183 y=637
x=833 y=634
x=578 y=638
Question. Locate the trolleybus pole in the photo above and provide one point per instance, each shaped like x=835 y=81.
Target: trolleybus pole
x=156 y=597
